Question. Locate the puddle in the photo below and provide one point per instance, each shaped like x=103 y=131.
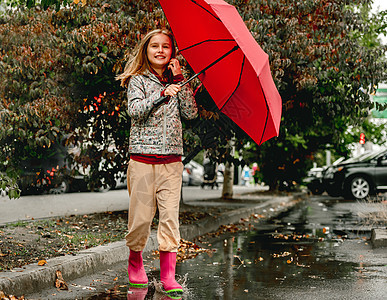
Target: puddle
x=294 y=255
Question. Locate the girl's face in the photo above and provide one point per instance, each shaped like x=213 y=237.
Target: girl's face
x=159 y=51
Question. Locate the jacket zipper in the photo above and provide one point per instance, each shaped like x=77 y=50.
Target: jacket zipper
x=164 y=129
x=164 y=118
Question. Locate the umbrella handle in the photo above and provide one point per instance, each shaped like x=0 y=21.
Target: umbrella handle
x=160 y=101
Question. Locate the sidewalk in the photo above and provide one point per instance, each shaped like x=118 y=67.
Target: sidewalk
x=47 y=206
x=34 y=278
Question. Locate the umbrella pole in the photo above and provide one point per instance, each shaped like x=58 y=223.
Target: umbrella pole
x=164 y=98
x=209 y=66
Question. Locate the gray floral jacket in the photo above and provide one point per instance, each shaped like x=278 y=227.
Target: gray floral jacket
x=161 y=132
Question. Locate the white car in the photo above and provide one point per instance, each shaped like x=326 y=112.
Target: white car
x=193 y=173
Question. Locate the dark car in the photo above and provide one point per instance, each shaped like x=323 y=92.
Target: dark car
x=314 y=178
x=358 y=177
x=313 y=181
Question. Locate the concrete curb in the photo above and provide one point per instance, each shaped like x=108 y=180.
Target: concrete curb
x=379 y=237
x=34 y=278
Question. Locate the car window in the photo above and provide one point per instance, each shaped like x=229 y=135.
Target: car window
x=369 y=155
x=383 y=159
x=356 y=158
x=372 y=156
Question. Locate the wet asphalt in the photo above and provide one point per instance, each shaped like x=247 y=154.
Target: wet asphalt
x=318 y=250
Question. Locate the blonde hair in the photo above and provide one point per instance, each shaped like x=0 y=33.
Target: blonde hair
x=140 y=62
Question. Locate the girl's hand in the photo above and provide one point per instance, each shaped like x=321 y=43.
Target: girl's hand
x=172 y=90
x=174 y=66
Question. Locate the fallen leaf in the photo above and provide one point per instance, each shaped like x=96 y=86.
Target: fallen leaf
x=284 y=254
x=115 y=279
x=60 y=284
x=42 y=262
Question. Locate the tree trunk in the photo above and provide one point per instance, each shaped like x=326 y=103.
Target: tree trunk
x=228 y=181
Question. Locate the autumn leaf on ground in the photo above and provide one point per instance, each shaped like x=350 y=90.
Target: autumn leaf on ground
x=188 y=250
x=42 y=262
x=284 y=254
x=10 y=297
x=60 y=284
x=242 y=262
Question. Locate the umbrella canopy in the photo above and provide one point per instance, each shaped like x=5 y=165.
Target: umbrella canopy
x=240 y=83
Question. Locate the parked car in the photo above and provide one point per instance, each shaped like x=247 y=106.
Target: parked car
x=120 y=182
x=358 y=177
x=210 y=174
x=193 y=173
x=314 y=178
x=314 y=182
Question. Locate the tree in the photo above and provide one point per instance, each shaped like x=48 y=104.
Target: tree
x=34 y=113
x=58 y=69
x=9 y=185
x=324 y=66
x=322 y=72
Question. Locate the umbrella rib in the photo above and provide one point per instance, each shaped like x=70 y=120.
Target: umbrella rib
x=206 y=41
x=239 y=81
x=267 y=114
x=216 y=17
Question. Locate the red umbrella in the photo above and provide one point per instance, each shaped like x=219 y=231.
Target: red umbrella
x=234 y=69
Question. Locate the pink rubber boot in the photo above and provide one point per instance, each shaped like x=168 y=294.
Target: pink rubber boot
x=136 y=271
x=167 y=272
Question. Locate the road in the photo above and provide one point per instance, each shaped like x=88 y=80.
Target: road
x=318 y=250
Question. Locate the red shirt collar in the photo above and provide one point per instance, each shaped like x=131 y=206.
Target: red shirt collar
x=165 y=79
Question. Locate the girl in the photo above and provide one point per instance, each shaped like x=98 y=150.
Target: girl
x=156 y=145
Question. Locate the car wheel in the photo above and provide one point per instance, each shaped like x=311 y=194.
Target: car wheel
x=62 y=188
x=316 y=190
x=359 y=188
x=104 y=188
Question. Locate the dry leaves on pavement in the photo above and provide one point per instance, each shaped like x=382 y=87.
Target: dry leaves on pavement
x=3 y=296
x=187 y=250
x=60 y=284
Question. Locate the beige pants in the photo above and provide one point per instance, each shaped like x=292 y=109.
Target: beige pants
x=148 y=186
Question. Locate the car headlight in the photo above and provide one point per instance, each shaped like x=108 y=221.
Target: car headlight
x=329 y=173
